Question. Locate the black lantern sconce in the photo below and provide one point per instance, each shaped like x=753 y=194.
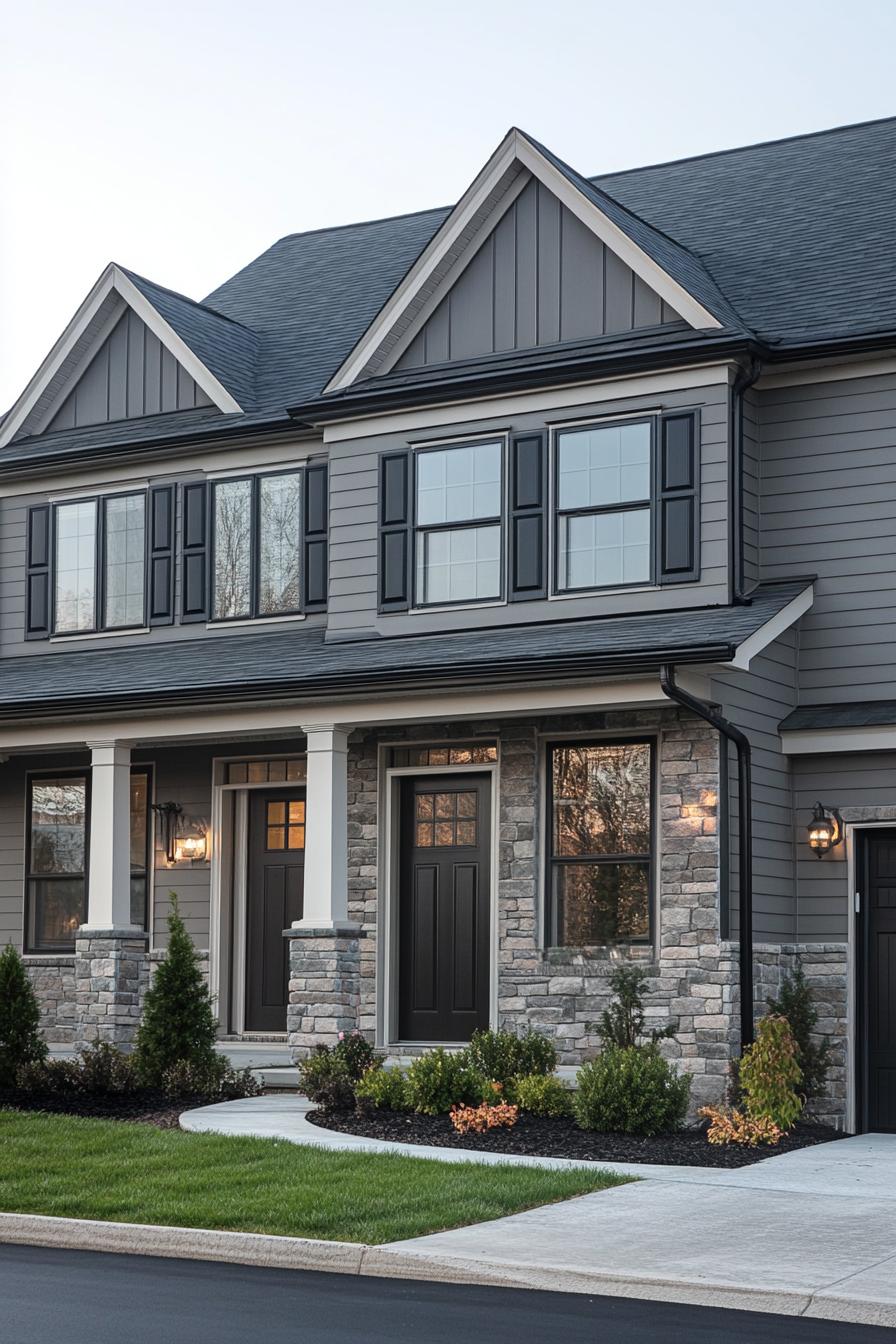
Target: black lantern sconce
x=168 y=814
x=825 y=829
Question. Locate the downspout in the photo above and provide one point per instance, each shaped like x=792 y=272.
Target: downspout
x=745 y=839
x=742 y=384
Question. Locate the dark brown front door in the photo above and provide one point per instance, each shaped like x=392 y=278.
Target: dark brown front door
x=273 y=902
x=443 y=979
x=877 y=983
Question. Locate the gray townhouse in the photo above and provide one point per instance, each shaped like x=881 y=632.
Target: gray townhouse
x=451 y=606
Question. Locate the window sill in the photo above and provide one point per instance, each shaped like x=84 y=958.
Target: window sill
x=254 y=621
x=75 y=638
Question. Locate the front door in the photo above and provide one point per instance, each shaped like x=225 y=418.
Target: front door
x=443 y=977
x=877 y=983
x=273 y=901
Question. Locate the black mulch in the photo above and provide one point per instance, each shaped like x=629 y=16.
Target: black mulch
x=147 y=1107
x=538 y=1137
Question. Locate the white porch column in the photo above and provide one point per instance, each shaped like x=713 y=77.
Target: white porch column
x=109 y=872
x=326 y=829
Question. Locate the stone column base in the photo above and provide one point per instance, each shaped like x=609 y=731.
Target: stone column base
x=324 y=985
x=111 y=974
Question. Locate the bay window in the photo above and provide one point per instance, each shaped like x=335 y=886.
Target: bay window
x=256 y=539
x=599 y=843
x=458 y=531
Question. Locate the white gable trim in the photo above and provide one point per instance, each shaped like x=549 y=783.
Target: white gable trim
x=514 y=152
x=775 y=626
x=112 y=279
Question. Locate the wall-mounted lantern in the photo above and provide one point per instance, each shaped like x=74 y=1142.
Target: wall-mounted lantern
x=825 y=829
x=191 y=848
x=168 y=814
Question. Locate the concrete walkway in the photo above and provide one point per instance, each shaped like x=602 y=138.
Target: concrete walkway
x=806 y=1233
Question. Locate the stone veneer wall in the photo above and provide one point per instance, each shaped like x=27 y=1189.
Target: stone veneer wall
x=53 y=978
x=111 y=974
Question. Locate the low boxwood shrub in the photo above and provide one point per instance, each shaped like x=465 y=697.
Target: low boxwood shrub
x=502 y=1056
x=542 y=1094
x=217 y=1081
x=769 y=1074
x=50 y=1078
x=330 y=1074
x=382 y=1090
x=441 y=1079
x=104 y=1069
x=631 y=1090
x=21 y=1042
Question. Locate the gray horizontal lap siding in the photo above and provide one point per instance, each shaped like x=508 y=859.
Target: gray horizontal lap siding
x=354 y=519
x=829 y=508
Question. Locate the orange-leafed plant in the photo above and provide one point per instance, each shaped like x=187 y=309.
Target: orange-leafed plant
x=729 y=1125
x=477 y=1119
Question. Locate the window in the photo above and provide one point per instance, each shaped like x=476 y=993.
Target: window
x=275 y=771
x=603 y=493
x=141 y=834
x=114 y=529
x=56 y=861
x=458 y=523
x=256 y=526
x=599 y=848
x=469 y=754
x=285 y=823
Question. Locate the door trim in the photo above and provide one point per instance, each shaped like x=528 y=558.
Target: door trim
x=387 y=1036
x=856 y=842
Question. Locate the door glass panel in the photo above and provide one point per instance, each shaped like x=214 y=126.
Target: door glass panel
x=276 y=814
x=276 y=837
x=446 y=819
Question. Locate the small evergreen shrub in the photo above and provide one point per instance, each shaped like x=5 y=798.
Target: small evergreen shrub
x=503 y=1055
x=105 y=1070
x=382 y=1090
x=770 y=1075
x=441 y=1079
x=21 y=1042
x=631 y=1091
x=795 y=1002
x=329 y=1075
x=542 y=1094
x=178 y=1018
x=218 y=1081
x=622 y=1022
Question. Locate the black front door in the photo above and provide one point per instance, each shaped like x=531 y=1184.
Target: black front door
x=877 y=983
x=273 y=902
x=443 y=980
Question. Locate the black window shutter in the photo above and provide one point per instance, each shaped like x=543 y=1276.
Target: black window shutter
x=528 y=516
x=194 y=553
x=395 y=532
x=678 y=496
x=314 y=538
x=161 y=555
x=38 y=618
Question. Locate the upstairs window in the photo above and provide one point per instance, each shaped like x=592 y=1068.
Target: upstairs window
x=457 y=543
x=603 y=506
x=100 y=564
x=256 y=545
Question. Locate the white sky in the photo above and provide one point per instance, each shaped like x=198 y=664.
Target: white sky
x=182 y=137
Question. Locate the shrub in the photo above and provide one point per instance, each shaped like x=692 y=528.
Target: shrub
x=622 y=1022
x=328 y=1077
x=483 y=1117
x=631 y=1091
x=542 y=1095
x=440 y=1079
x=178 y=1019
x=104 y=1069
x=503 y=1055
x=795 y=1002
x=734 y=1126
x=21 y=1041
x=769 y=1074
x=50 y=1077
x=382 y=1090
x=217 y=1081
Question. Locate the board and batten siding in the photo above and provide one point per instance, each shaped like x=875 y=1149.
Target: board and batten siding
x=539 y=278
x=828 y=486
x=354 y=467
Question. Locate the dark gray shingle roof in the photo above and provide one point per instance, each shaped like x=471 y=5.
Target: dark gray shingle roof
x=299 y=663
x=861 y=714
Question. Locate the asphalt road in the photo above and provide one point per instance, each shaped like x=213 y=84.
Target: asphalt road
x=84 y=1297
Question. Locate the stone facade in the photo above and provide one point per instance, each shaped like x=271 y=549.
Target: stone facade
x=53 y=978
x=324 y=997
x=110 y=973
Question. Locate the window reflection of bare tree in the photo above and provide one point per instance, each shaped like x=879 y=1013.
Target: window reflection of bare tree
x=602 y=808
x=233 y=542
x=279 y=542
x=58 y=828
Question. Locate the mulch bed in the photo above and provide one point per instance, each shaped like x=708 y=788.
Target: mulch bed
x=147 y=1107
x=534 y=1136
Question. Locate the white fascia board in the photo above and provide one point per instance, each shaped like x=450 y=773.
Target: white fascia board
x=821 y=741
x=768 y=633
x=515 y=149
x=113 y=278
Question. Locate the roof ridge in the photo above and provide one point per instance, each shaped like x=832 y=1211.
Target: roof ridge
x=185 y=298
x=742 y=149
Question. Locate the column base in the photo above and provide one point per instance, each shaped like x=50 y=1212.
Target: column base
x=324 y=985
x=111 y=975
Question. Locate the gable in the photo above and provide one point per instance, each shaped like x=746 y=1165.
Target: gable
x=540 y=277
x=131 y=375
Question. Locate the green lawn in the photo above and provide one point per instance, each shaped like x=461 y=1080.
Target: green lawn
x=132 y=1173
